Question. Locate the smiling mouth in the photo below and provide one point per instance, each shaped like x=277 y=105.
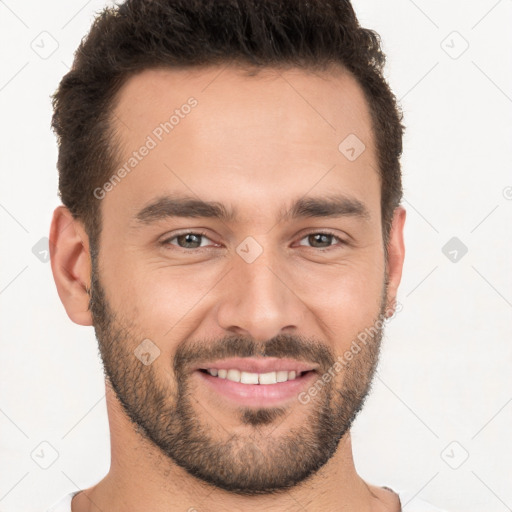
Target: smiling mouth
x=244 y=377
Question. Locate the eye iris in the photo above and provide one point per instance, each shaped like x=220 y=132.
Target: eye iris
x=190 y=240
x=193 y=241
x=322 y=238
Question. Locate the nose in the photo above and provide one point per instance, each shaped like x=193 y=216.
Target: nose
x=259 y=301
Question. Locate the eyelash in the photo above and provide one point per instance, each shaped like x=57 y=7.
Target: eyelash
x=167 y=241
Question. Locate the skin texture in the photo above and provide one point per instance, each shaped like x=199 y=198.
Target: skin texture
x=255 y=144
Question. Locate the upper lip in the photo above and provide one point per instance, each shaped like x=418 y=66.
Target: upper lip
x=259 y=365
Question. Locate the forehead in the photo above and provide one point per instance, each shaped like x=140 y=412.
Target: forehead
x=221 y=133
x=328 y=101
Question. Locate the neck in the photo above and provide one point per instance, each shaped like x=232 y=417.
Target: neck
x=141 y=477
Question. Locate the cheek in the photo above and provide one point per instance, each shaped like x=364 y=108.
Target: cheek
x=157 y=297
x=166 y=302
x=346 y=300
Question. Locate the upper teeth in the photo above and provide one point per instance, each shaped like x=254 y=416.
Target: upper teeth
x=253 y=378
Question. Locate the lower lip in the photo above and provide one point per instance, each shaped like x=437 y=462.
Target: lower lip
x=257 y=395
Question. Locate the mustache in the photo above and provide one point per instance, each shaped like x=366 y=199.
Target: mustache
x=281 y=346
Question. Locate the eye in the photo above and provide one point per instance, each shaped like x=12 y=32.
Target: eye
x=195 y=240
x=189 y=240
x=321 y=240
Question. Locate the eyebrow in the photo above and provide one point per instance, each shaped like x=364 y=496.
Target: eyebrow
x=170 y=206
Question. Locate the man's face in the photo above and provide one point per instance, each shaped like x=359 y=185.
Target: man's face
x=265 y=290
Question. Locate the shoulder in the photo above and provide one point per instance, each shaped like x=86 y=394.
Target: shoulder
x=64 y=505
x=411 y=503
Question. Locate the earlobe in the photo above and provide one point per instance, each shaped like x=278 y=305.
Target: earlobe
x=396 y=255
x=71 y=264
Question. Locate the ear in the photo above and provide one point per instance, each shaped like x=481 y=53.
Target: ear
x=396 y=255
x=71 y=264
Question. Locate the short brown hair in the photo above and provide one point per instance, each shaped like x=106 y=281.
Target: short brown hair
x=142 y=34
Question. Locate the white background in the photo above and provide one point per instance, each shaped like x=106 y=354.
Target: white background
x=445 y=375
